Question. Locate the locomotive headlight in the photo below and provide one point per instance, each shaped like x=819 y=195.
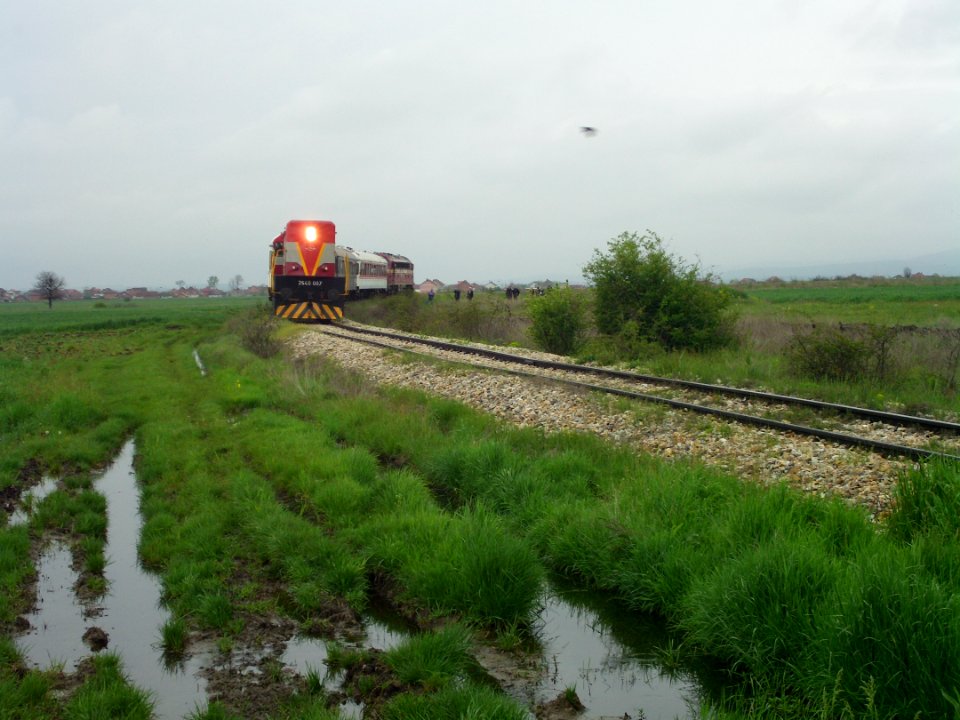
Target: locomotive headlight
x=310 y=233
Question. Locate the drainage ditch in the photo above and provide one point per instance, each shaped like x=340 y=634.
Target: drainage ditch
x=582 y=642
x=130 y=613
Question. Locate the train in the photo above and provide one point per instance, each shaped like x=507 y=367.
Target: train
x=311 y=276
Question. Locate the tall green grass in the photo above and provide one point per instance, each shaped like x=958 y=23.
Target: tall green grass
x=304 y=484
x=801 y=599
x=106 y=694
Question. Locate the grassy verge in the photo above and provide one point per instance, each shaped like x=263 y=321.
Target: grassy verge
x=911 y=338
x=272 y=488
x=801 y=600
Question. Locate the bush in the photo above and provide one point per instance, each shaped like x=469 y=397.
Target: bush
x=257 y=330
x=843 y=353
x=667 y=301
x=827 y=354
x=558 y=320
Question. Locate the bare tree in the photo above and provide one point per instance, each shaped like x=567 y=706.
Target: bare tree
x=50 y=286
x=180 y=284
x=236 y=282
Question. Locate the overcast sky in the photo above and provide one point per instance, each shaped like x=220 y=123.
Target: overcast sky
x=143 y=143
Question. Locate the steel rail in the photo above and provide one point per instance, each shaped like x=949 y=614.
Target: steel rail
x=878 y=446
x=889 y=418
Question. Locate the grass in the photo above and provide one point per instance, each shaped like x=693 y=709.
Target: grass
x=453 y=703
x=920 y=360
x=761 y=580
x=113 y=315
x=433 y=660
x=173 y=638
x=106 y=693
x=302 y=483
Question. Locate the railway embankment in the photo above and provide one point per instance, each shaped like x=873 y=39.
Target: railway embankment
x=765 y=456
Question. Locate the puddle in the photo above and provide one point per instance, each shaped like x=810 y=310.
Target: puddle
x=200 y=365
x=382 y=630
x=608 y=656
x=306 y=653
x=130 y=612
x=30 y=500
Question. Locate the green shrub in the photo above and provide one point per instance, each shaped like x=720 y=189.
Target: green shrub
x=668 y=301
x=558 y=320
x=843 y=353
x=257 y=330
x=826 y=354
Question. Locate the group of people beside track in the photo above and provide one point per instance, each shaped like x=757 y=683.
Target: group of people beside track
x=512 y=293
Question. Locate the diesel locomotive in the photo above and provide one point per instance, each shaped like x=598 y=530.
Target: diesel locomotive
x=311 y=276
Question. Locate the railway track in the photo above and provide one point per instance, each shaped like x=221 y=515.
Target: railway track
x=915 y=438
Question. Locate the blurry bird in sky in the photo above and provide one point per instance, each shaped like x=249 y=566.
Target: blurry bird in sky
x=588 y=131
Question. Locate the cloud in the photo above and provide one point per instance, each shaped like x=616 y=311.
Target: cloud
x=178 y=137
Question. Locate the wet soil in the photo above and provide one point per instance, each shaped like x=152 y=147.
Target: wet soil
x=586 y=660
x=66 y=627
x=29 y=475
x=23 y=503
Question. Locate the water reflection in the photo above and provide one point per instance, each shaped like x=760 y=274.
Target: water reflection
x=130 y=613
x=608 y=656
x=30 y=500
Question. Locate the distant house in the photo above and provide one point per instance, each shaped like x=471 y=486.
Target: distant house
x=139 y=293
x=427 y=285
x=463 y=286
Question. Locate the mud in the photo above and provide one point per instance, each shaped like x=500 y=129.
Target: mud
x=29 y=475
x=587 y=660
x=607 y=657
x=24 y=503
x=129 y=614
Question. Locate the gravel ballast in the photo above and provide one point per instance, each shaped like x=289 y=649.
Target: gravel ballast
x=761 y=455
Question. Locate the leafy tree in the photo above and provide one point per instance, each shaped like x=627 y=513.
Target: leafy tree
x=644 y=294
x=558 y=321
x=50 y=286
x=213 y=281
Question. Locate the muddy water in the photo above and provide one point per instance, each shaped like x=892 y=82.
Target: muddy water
x=30 y=500
x=608 y=656
x=130 y=612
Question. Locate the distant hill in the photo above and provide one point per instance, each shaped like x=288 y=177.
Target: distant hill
x=943 y=263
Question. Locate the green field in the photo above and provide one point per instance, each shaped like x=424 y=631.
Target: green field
x=923 y=303
x=280 y=491
x=910 y=330
x=18 y=318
